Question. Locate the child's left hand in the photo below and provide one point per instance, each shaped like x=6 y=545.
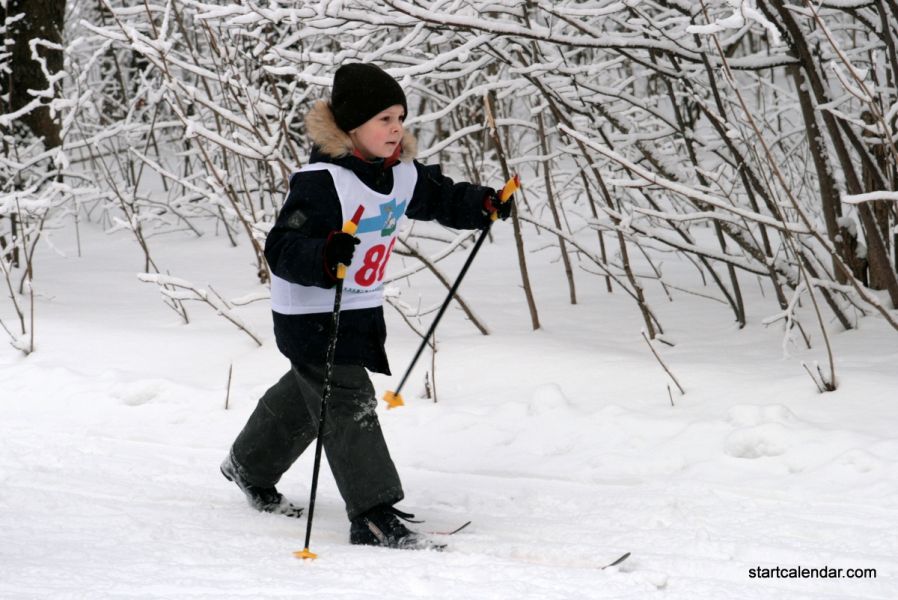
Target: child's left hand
x=492 y=205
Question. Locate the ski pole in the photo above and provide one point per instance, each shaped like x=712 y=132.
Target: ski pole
x=394 y=399
x=349 y=227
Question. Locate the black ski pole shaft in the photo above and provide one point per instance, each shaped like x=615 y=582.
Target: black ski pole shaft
x=331 y=349
x=349 y=227
x=394 y=399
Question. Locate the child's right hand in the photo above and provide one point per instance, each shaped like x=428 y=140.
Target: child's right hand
x=339 y=248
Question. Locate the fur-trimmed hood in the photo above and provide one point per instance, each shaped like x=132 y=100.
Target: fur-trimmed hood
x=333 y=141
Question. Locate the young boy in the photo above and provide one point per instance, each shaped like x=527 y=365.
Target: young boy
x=361 y=156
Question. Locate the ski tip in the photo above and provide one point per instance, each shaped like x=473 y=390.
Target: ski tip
x=621 y=559
x=456 y=530
x=453 y=531
x=305 y=554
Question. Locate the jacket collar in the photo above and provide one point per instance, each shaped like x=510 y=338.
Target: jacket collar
x=369 y=171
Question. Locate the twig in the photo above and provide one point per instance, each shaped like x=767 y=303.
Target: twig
x=821 y=382
x=433 y=365
x=228 y=391
x=661 y=362
x=412 y=251
x=194 y=293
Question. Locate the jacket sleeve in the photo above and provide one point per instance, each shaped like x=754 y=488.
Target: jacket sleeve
x=456 y=205
x=294 y=247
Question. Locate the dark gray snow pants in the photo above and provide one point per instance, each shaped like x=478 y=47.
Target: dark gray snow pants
x=285 y=423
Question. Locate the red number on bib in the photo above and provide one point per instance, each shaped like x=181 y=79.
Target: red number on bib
x=383 y=265
x=371 y=265
x=374 y=264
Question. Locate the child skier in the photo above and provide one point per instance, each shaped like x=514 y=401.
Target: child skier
x=361 y=156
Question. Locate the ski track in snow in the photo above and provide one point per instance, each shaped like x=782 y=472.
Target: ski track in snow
x=113 y=431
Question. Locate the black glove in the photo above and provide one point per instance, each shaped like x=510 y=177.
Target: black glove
x=491 y=204
x=339 y=248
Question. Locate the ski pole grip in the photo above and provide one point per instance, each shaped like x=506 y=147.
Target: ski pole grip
x=350 y=227
x=510 y=187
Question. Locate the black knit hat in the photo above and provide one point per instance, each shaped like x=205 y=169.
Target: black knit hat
x=360 y=92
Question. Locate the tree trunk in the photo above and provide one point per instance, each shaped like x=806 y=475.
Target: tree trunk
x=881 y=212
x=877 y=256
x=44 y=20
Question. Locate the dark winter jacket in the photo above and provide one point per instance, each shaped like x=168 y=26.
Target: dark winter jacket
x=295 y=246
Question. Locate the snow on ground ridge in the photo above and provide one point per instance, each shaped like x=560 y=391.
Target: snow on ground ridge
x=568 y=456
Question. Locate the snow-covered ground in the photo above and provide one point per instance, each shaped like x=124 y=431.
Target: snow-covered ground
x=561 y=445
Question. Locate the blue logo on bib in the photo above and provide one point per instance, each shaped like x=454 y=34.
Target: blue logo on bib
x=386 y=221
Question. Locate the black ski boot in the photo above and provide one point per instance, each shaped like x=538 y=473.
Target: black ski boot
x=381 y=526
x=263 y=499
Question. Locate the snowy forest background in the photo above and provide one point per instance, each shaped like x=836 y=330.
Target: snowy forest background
x=757 y=140
x=718 y=177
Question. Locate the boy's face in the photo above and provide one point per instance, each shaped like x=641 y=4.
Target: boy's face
x=380 y=136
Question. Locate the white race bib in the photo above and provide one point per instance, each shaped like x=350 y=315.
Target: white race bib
x=382 y=216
